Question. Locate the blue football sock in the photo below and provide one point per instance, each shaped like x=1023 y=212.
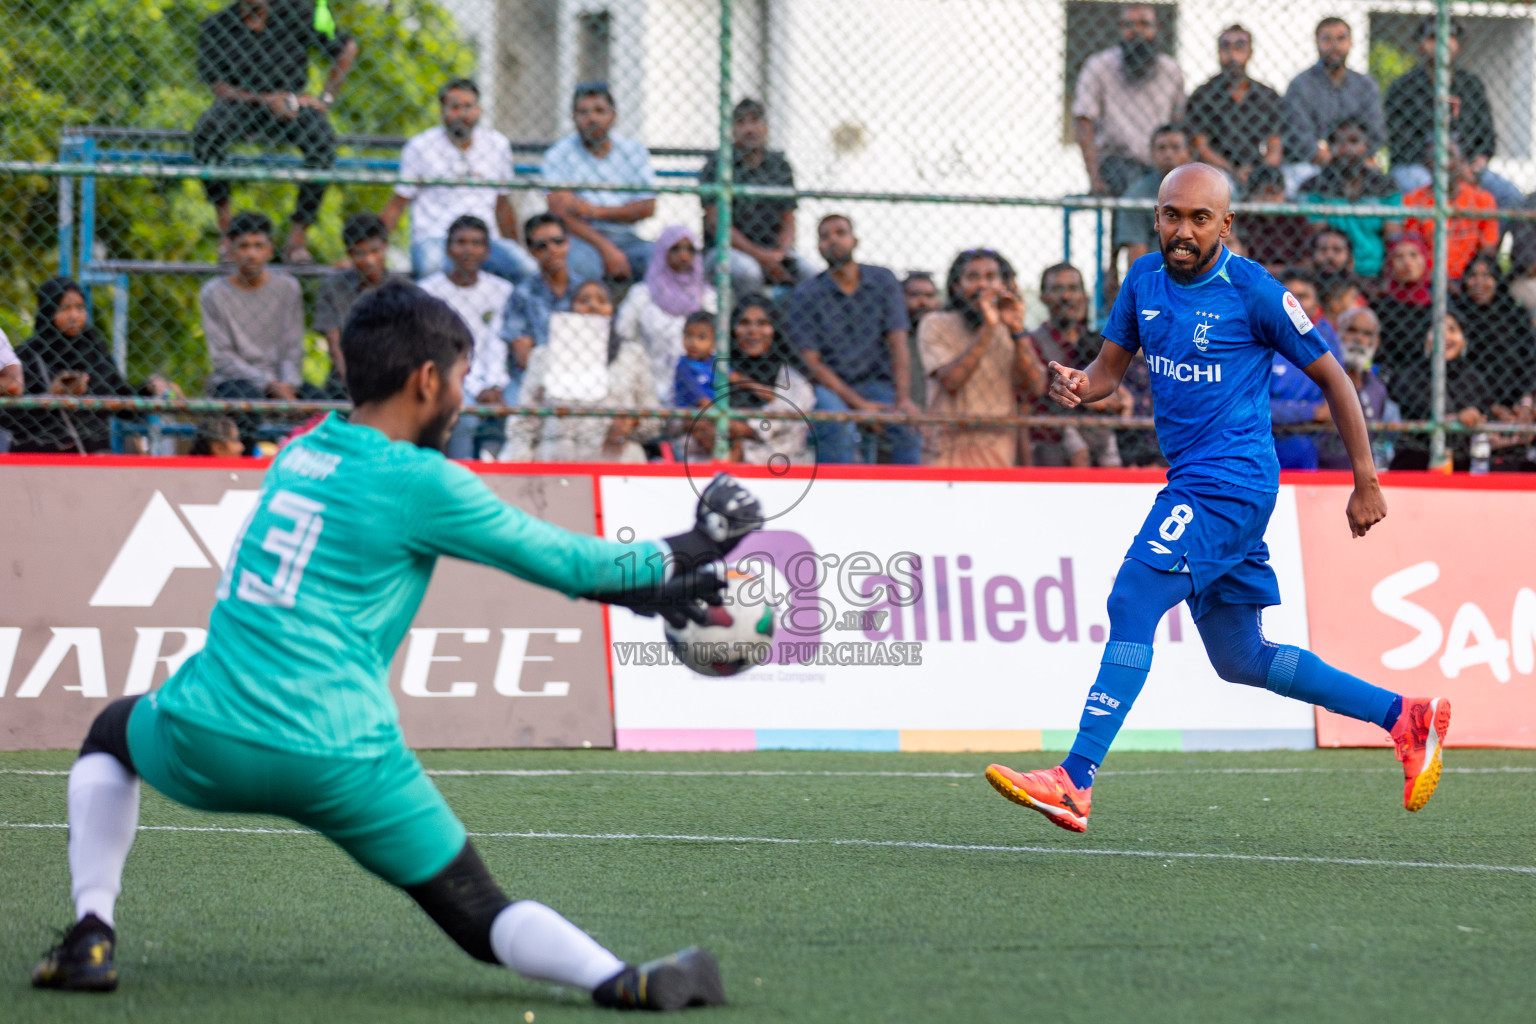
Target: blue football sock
x=1304 y=676
x=1080 y=770
x=1121 y=676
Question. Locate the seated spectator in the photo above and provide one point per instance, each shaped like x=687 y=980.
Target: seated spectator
x=67 y=356
x=1293 y=398
x=1404 y=302
x=1122 y=93
x=1065 y=338
x=587 y=438
x=367 y=242
x=1522 y=258
x=767 y=375
x=254 y=56
x=1274 y=240
x=12 y=382
x=1351 y=179
x=1359 y=336
x=1410 y=114
x=1337 y=295
x=458 y=148
x=1466 y=398
x=480 y=299
x=525 y=322
x=601 y=223
x=1500 y=342
x=1324 y=96
x=694 y=375
x=977 y=357
x=1135 y=230
x=1234 y=122
x=1332 y=256
x=1139 y=448
x=922 y=298
x=1466 y=236
x=218 y=438
x=850 y=322
x=653 y=312
x=762 y=229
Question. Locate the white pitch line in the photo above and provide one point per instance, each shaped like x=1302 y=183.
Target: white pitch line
x=898 y=844
x=744 y=773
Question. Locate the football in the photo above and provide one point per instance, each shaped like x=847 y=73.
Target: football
x=737 y=636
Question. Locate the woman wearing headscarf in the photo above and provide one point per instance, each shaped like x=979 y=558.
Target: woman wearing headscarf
x=654 y=311
x=628 y=383
x=1466 y=397
x=1500 y=342
x=67 y=356
x=1403 y=307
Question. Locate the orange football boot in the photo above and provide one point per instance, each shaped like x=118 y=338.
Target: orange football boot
x=1049 y=791
x=1420 y=736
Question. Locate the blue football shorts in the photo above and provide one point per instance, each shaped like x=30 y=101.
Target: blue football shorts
x=1214 y=531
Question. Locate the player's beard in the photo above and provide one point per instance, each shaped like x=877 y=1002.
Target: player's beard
x=1178 y=275
x=436 y=433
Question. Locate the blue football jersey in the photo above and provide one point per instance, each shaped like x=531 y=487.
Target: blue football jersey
x=1209 y=345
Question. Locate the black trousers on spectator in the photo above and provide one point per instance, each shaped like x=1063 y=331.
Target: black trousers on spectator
x=250 y=424
x=226 y=122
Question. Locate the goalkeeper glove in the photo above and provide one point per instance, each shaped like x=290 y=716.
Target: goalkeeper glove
x=726 y=512
x=684 y=597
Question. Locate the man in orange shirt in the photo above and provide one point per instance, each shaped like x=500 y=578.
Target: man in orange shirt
x=1467 y=236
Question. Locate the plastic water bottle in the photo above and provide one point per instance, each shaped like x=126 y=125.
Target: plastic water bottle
x=1482 y=450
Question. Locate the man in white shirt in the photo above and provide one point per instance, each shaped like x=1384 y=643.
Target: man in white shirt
x=458 y=149
x=601 y=223
x=479 y=300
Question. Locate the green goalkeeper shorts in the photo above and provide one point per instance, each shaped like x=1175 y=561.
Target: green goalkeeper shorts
x=383 y=811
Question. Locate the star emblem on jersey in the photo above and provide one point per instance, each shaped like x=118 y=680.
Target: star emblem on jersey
x=1200 y=340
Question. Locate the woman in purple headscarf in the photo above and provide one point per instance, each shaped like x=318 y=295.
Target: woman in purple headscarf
x=656 y=307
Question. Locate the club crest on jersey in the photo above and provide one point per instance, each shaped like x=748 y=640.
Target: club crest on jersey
x=1200 y=340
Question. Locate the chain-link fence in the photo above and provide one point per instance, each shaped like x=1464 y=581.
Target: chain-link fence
x=755 y=229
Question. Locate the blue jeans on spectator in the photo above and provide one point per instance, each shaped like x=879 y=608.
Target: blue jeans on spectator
x=849 y=442
x=586 y=263
x=507 y=259
x=471 y=434
x=747 y=274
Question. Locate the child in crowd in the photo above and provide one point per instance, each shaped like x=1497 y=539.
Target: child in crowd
x=693 y=386
x=218 y=438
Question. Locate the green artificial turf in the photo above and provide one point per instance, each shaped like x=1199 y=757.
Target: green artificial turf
x=219 y=926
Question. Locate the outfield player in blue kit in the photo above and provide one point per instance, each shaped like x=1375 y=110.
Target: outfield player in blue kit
x=1210 y=323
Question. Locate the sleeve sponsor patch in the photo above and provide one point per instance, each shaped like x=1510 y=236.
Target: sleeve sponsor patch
x=1296 y=313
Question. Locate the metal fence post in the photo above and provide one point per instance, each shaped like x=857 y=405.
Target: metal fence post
x=725 y=170
x=1440 y=280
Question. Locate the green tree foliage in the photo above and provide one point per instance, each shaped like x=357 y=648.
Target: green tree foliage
x=133 y=63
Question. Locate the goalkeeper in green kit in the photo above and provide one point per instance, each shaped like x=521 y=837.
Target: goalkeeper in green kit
x=287 y=709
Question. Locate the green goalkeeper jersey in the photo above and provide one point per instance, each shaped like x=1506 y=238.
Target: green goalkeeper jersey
x=326 y=576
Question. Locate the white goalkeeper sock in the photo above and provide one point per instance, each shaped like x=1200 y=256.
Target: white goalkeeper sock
x=103 y=819
x=538 y=943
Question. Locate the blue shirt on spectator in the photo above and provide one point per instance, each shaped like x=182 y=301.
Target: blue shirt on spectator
x=1293 y=398
x=693 y=383
x=848 y=331
x=628 y=163
x=527 y=316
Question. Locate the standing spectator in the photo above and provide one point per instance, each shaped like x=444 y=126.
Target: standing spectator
x=850 y=322
x=525 y=323
x=1122 y=94
x=253 y=320
x=978 y=357
x=762 y=229
x=1135 y=231
x=479 y=299
x=1322 y=96
x=653 y=312
x=922 y=298
x=458 y=148
x=1410 y=113
x=1236 y=123
x=1275 y=240
x=1359 y=336
x=68 y=356
x=1466 y=236
x=1350 y=179
x=1404 y=303
x=767 y=376
x=1064 y=338
x=1500 y=342
x=600 y=222
x=254 y=56
x=1466 y=398
x=367 y=242
x=1293 y=398
x=587 y=438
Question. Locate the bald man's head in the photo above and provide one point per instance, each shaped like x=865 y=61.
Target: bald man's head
x=1193 y=217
